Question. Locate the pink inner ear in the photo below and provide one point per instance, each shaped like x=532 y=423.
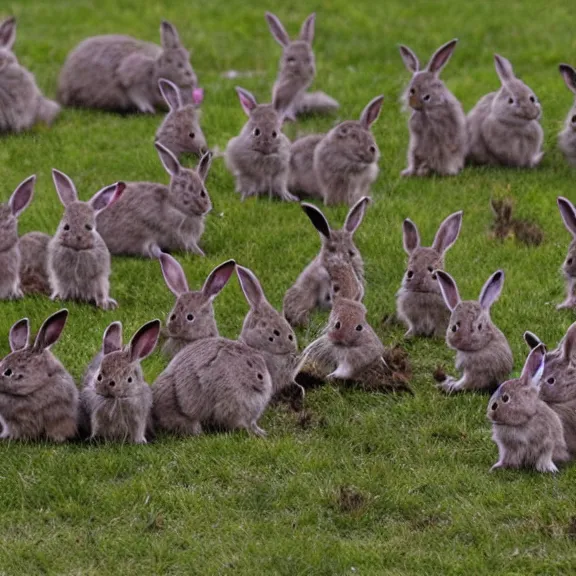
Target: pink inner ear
x=247 y=104
x=198 y=96
x=120 y=187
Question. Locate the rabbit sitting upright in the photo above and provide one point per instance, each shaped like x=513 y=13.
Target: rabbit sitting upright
x=568 y=213
x=482 y=351
x=567 y=137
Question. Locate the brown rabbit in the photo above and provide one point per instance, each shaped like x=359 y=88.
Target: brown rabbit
x=568 y=213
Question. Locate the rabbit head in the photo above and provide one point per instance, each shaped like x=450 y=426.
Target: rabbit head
x=516 y=401
x=347 y=323
x=426 y=92
x=344 y=283
x=173 y=63
x=515 y=101
x=119 y=375
x=180 y=131
x=423 y=261
x=187 y=187
x=470 y=327
x=7 y=39
x=192 y=317
x=9 y=212
x=264 y=328
x=77 y=229
x=569 y=75
x=568 y=213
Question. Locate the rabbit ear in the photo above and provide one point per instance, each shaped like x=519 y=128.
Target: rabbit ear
x=410 y=236
x=65 y=187
x=22 y=196
x=409 y=58
x=441 y=57
x=144 y=341
x=204 y=166
x=371 y=112
x=170 y=162
x=51 y=330
x=218 y=279
x=356 y=215
x=171 y=93
x=19 y=335
x=173 y=275
x=534 y=366
x=169 y=36
x=531 y=339
x=492 y=289
x=569 y=344
x=251 y=287
x=108 y=195
x=449 y=289
x=568 y=213
x=8 y=33
x=503 y=69
x=317 y=218
x=112 y=341
x=307 y=30
x=278 y=31
x=247 y=100
x=448 y=232
x=569 y=75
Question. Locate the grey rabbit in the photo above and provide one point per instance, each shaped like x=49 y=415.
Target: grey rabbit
x=568 y=213
x=567 y=137
x=38 y=397
x=34 y=278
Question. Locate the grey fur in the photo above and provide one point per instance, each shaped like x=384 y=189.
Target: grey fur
x=568 y=213
x=567 y=137
x=34 y=263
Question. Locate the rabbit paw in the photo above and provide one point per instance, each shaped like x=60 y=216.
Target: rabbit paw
x=255 y=429
x=140 y=440
x=449 y=385
x=536 y=159
x=55 y=296
x=546 y=466
x=343 y=372
x=407 y=172
x=570 y=302
x=287 y=197
x=109 y=304
x=500 y=464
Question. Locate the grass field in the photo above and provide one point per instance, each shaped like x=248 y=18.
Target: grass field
x=374 y=484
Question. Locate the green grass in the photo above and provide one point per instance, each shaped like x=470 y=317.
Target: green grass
x=415 y=470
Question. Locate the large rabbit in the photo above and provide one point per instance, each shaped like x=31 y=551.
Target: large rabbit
x=527 y=431
x=192 y=316
x=419 y=302
x=567 y=137
x=297 y=70
x=437 y=123
x=38 y=397
x=503 y=127
x=259 y=156
x=482 y=351
x=78 y=260
x=22 y=104
x=180 y=131
x=568 y=213
x=312 y=288
x=10 y=254
x=121 y=73
x=340 y=166
x=117 y=399
x=149 y=214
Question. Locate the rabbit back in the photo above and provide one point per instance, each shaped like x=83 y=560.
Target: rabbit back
x=34 y=263
x=566 y=411
x=302 y=178
x=425 y=312
x=10 y=260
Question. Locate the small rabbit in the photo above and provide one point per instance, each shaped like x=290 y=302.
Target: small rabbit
x=117 y=399
x=341 y=166
x=150 y=214
x=419 y=302
x=267 y=332
x=259 y=156
x=34 y=263
x=22 y=104
x=437 y=124
x=312 y=288
x=192 y=317
x=38 y=398
x=567 y=137
x=503 y=127
x=10 y=254
x=180 y=131
x=121 y=73
x=568 y=213
x=527 y=431
x=482 y=351
x=78 y=259
x=297 y=71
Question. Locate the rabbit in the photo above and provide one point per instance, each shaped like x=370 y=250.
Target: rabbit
x=22 y=104
x=259 y=156
x=527 y=431
x=482 y=351
x=419 y=302
x=437 y=124
x=121 y=73
x=268 y=333
x=297 y=71
x=78 y=260
x=567 y=137
x=10 y=255
x=568 y=213
x=149 y=214
x=503 y=127
x=312 y=288
x=34 y=263
x=192 y=316
x=38 y=397
x=180 y=131
x=341 y=166
x=117 y=399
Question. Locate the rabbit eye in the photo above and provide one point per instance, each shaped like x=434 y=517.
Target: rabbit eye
x=256 y=131
x=192 y=135
x=510 y=100
x=479 y=327
x=409 y=274
x=434 y=277
x=569 y=261
x=203 y=193
x=260 y=377
x=359 y=328
x=336 y=289
x=573 y=119
x=412 y=92
x=190 y=317
x=99 y=378
x=426 y=98
x=351 y=253
x=274 y=134
x=455 y=326
x=180 y=65
x=373 y=149
x=494 y=406
x=290 y=337
x=8 y=372
x=430 y=269
x=337 y=325
x=88 y=227
x=551 y=381
x=173 y=317
x=129 y=379
x=532 y=99
x=505 y=398
x=66 y=227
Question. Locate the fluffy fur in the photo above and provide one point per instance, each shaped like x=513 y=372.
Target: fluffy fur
x=34 y=263
x=567 y=137
x=568 y=213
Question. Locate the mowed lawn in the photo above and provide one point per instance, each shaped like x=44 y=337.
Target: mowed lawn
x=368 y=484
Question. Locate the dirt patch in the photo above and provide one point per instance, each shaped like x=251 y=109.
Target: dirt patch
x=350 y=499
x=506 y=226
